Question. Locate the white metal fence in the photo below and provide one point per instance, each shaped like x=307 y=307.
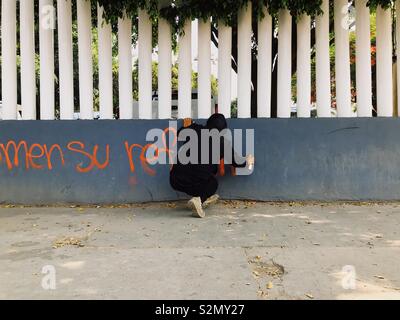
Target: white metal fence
x=63 y=23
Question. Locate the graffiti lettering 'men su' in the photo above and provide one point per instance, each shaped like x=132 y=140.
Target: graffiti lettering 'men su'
x=14 y=154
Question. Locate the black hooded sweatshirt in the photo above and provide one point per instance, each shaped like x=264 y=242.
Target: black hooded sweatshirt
x=197 y=174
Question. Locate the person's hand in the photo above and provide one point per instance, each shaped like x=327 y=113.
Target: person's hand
x=250 y=161
x=187 y=122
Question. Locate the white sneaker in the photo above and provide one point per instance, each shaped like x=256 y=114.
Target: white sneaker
x=197 y=208
x=211 y=201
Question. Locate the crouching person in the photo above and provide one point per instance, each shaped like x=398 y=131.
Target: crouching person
x=198 y=180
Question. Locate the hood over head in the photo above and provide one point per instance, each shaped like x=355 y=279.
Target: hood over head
x=217 y=121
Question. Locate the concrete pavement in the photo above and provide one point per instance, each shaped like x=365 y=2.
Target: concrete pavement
x=242 y=250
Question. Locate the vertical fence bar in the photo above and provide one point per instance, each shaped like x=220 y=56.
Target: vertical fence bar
x=384 y=60
x=285 y=64
x=105 y=66
x=204 y=81
x=264 y=65
x=244 y=61
x=46 y=44
x=164 y=69
x=398 y=53
x=363 y=55
x=9 y=59
x=125 y=68
x=28 y=76
x=65 y=53
x=185 y=73
x=304 y=67
x=224 y=69
x=145 y=66
x=323 y=74
x=85 y=59
x=342 y=59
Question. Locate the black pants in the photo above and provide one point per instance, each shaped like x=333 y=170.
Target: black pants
x=204 y=189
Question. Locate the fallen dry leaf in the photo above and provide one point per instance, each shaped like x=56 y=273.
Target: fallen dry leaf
x=263 y=269
x=262 y=294
x=64 y=242
x=256 y=273
x=309 y=295
x=270 y=285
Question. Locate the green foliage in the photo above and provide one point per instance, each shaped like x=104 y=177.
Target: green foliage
x=386 y=4
x=117 y=9
x=296 y=7
x=179 y=11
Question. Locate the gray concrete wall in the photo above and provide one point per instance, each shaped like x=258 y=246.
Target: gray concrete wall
x=310 y=159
